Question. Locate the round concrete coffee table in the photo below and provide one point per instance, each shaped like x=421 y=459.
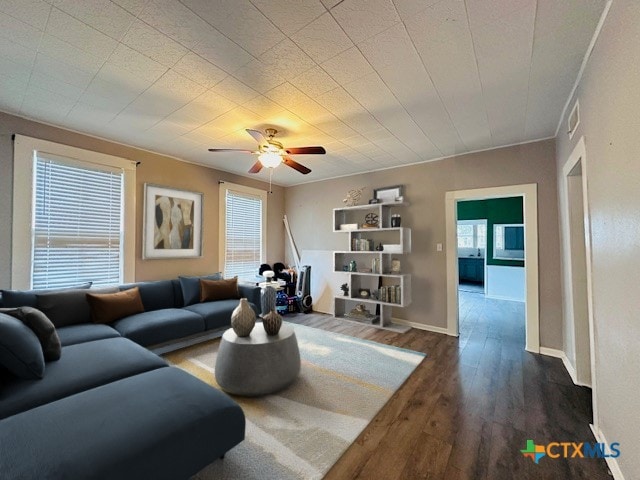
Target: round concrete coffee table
x=258 y=364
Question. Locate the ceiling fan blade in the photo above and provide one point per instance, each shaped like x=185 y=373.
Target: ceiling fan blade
x=256 y=167
x=290 y=162
x=230 y=150
x=257 y=136
x=306 y=151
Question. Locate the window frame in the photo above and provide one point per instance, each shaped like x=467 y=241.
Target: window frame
x=475 y=224
x=25 y=149
x=224 y=188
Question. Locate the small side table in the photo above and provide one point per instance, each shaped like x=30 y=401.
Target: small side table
x=258 y=364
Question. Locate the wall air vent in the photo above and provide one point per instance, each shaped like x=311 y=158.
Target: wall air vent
x=574 y=119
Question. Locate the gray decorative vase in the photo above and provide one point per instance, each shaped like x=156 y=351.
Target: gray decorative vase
x=243 y=318
x=272 y=322
x=268 y=300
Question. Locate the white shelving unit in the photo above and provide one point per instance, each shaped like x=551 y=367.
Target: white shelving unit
x=374 y=268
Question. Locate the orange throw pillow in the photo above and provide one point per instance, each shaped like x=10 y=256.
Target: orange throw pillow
x=109 y=307
x=211 y=290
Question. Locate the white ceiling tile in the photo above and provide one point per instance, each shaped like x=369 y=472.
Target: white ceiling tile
x=60 y=50
x=116 y=82
x=259 y=76
x=168 y=130
x=240 y=21
x=514 y=11
x=175 y=20
x=287 y=59
x=103 y=15
x=177 y=86
x=33 y=12
x=443 y=22
x=54 y=85
x=290 y=15
x=154 y=44
x=11 y=101
x=79 y=34
x=87 y=114
x=322 y=39
x=221 y=51
x=407 y=9
x=19 y=32
x=314 y=82
x=330 y=3
x=199 y=70
x=348 y=66
x=19 y=55
x=132 y=6
x=13 y=74
x=204 y=108
x=62 y=71
x=263 y=106
x=362 y=19
x=46 y=102
x=133 y=121
x=235 y=90
x=137 y=64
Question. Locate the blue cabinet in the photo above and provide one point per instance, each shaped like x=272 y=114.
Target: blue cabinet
x=471 y=269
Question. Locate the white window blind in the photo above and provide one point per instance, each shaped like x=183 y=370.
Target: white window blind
x=77 y=224
x=243 y=234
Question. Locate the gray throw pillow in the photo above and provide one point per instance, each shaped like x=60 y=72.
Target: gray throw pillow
x=69 y=307
x=20 y=350
x=191 y=287
x=40 y=324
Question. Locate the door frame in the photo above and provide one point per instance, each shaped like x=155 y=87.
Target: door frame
x=529 y=193
x=579 y=155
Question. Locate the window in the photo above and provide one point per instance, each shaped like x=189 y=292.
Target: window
x=242 y=230
x=81 y=204
x=77 y=226
x=472 y=235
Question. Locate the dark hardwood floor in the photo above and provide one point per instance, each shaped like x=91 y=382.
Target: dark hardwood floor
x=470 y=406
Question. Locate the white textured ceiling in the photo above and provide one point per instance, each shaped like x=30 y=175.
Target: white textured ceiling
x=378 y=83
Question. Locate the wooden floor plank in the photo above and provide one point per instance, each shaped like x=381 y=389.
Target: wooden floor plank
x=468 y=409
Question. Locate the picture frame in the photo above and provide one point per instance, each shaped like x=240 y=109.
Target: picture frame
x=389 y=194
x=172 y=223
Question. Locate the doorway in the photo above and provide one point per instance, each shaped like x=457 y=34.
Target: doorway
x=579 y=329
x=528 y=193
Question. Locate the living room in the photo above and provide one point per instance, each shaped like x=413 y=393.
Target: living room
x=596 y=75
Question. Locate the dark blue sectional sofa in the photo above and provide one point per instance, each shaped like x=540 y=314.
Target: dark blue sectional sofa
x=109 y=407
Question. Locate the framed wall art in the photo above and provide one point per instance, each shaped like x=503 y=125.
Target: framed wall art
x=389 y=194
x=172 y=225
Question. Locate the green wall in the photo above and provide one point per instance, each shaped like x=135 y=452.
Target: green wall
x=497 y=210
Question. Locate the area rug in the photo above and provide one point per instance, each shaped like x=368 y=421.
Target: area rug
x=300 y=432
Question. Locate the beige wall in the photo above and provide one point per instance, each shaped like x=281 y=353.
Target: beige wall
x=309 y=209
x=609 y=95
x=154 y=168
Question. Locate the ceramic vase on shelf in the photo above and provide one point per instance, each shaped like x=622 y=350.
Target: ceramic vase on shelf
x=243 y=318
x=272 y=322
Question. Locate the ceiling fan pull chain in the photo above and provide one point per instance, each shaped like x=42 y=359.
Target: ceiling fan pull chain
x=270 y=173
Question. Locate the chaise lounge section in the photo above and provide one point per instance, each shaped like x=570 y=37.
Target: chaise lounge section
x=109 y=407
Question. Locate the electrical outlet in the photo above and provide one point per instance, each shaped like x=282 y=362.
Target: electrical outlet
x=438 y=247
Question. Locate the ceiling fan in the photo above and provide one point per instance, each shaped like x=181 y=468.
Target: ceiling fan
x=271 y=153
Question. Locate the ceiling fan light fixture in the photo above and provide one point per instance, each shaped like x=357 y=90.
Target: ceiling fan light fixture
x=270 y=159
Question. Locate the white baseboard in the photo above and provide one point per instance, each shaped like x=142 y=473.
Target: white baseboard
x=612 y=463
x=420 y=326
x=552 y=352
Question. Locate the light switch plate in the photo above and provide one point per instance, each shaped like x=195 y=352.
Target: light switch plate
x=439 y=247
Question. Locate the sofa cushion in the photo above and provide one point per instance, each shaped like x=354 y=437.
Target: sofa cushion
x=40 y=324
x=68 y=307
x=27 y=298
x=109 y=307
x=156 y=295
x=151 y=328
x=215 y=314
x=212 y=290
x=20 y=350
x=85 y=332
x=172 y=427
x=82 y=366
x=191 y=287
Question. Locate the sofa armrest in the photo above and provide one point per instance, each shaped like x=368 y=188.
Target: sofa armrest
x=251 y=293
